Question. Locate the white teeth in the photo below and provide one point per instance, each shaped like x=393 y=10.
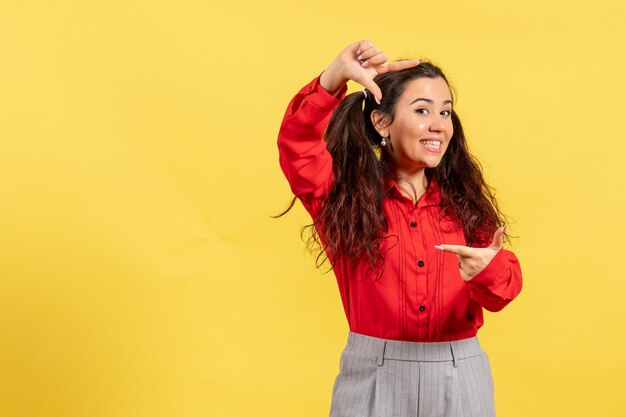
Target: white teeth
x=431 y=143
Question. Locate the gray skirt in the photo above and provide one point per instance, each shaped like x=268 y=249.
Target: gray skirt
x=391 y=378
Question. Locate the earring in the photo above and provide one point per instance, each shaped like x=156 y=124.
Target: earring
x=383 y=142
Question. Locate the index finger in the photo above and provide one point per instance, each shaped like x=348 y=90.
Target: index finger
x=456 y=249
x=403 y=64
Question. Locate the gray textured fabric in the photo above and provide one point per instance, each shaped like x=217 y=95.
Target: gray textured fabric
x=391 y=378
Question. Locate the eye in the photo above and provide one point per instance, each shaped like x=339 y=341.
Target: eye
x=446 y=112
x=421 y=110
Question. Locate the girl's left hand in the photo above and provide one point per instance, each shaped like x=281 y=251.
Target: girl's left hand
x=474 y=260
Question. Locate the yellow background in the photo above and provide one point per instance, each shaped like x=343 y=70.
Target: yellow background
x=140 y=272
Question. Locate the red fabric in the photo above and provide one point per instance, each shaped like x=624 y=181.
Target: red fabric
x=390 y=307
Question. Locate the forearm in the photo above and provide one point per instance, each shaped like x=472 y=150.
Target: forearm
x=302 y=150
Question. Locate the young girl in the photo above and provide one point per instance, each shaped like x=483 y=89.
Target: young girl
x=413 y=233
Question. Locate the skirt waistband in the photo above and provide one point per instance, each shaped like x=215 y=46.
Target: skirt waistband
x=453 y=350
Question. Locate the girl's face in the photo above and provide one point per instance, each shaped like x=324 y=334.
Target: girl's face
x=422 y=127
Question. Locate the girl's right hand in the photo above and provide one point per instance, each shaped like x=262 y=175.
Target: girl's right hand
x=361 y=62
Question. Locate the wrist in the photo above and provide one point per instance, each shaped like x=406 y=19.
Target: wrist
x=332 y=80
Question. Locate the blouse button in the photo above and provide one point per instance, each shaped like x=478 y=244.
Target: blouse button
x=420 y=263
x=422 y=307
x=413 y=224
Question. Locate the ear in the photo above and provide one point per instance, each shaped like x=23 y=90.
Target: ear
x=380 y=122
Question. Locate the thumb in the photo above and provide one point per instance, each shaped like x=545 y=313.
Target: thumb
x=373 y=88
x=498 y=238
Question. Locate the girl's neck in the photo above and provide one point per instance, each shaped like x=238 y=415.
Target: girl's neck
x=417 y=178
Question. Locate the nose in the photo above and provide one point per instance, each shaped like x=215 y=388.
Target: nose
x=436 y=124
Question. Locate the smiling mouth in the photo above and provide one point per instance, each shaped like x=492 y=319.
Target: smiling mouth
x=434 y=145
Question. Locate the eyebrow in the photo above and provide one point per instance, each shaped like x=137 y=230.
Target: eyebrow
x=429 y=100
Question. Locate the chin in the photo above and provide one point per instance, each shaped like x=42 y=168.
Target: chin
x=432 y=161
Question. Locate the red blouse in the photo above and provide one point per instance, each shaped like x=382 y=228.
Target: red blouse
x=420 y=295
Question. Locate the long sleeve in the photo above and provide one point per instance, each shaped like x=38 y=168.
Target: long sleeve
x=303 y=156
x=499 y=283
